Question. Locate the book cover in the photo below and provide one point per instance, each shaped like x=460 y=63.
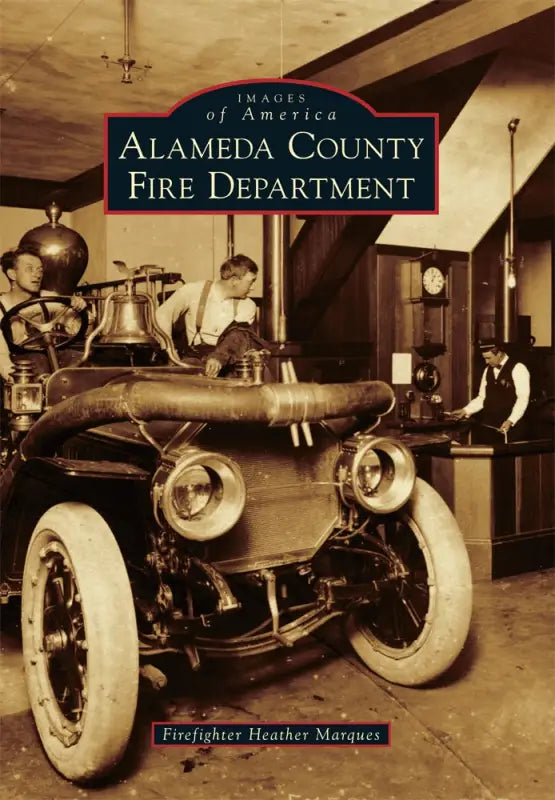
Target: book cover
x=243 y=531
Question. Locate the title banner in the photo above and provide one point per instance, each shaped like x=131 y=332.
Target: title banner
x=271 y=146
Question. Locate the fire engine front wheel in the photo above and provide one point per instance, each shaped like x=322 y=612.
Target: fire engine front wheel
x=418 y=627
x=80 y=646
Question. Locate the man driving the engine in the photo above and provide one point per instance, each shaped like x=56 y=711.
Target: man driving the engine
x=24 y=269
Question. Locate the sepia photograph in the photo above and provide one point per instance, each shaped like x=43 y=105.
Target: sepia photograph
x=277 y=399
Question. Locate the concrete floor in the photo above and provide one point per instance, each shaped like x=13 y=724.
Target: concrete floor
x=485 y=731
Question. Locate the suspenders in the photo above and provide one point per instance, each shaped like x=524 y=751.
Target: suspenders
x=202 y=308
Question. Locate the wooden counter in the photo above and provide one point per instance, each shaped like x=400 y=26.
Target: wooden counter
x=503 y=498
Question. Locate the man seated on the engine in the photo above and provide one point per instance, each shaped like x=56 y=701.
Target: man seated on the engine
x=210 y=308
x=24 y=269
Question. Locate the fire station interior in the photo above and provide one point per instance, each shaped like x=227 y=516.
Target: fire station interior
x=341 y=298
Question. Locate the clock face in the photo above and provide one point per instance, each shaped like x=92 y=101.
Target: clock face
x=433 y=280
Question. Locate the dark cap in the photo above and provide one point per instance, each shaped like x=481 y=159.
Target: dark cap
x=487 y=344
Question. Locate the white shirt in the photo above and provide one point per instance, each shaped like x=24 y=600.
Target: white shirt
x=218 y=312
x=521 y=380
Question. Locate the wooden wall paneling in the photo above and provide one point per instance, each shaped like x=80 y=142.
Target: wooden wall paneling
x=518 y=492
x=385 y=340
x=369 y=265
x=485 y=271
x=445 y=362
x=373 y=306
x=474 y=511
x=310 y=248
x=403 y=324
x=346 y=318
x=504 y=496
x=530 y=491
x=326 y=259
x=306 y=255
x=418 y=317
x=474 y=497
x=403 y=333
x=485 y=266
x=459 y=332
x=442 y=479
x=399 y=334
x=547 y=484
x=520 y=554
x=439 y=324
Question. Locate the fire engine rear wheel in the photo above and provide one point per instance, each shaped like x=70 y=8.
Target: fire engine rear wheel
x=420 y=623
x=80 y=644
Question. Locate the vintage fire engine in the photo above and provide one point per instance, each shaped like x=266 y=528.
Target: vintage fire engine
x=149 y=509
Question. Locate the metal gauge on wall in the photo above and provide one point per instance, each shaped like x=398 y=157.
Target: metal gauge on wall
x=426 y=377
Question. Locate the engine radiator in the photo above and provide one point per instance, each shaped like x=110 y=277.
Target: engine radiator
x=292 y=503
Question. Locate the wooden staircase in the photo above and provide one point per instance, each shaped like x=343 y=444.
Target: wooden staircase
x=321 y=259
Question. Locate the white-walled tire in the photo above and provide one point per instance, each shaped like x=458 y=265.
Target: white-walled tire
x=417 y=628
x=80 y=645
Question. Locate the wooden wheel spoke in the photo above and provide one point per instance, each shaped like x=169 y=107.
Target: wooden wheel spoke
x=413 y=614
x=59 y=316
x=45 y=310
x=29 y=321
x=396 y=631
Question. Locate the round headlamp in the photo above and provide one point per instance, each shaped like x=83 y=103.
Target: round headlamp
x=376 y=473
x=200 y=495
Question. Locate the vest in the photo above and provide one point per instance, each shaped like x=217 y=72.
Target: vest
x=500 y=394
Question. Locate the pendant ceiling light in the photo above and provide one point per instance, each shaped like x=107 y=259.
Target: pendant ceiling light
x=126 y=62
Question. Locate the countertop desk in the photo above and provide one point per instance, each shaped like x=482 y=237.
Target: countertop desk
x=503 y=497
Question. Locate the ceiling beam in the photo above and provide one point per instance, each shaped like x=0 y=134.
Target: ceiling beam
x=382 y=34
x=27 y=192
x=79 y=191
x=462 y=33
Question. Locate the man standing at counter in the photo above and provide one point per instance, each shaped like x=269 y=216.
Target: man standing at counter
x=503 y=396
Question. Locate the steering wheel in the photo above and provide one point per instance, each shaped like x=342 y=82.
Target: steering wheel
x=48 y=337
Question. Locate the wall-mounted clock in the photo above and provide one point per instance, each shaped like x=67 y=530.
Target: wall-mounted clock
x=434 y=281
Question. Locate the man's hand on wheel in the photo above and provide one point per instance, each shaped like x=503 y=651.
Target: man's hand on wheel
x=77 y=303
x=212 y=368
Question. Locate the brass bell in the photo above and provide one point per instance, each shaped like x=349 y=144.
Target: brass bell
x=129 y=321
